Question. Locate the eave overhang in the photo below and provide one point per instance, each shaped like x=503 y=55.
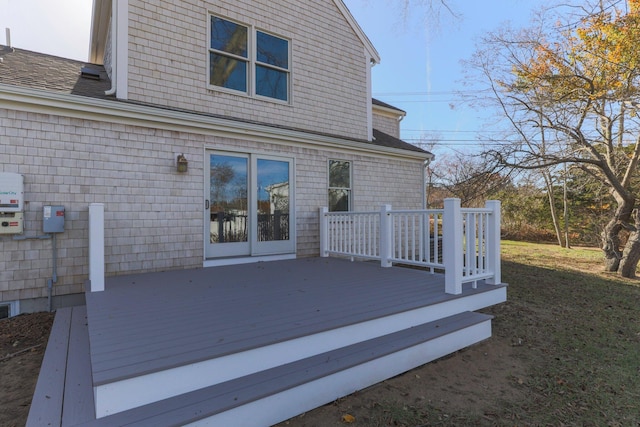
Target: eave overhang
x=60 y=104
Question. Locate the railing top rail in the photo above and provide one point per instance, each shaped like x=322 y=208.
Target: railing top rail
x=351 y=213
x=416 y=211
x=476 y=210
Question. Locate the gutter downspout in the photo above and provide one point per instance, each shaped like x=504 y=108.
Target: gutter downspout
x=425 y=184
x=114 y=47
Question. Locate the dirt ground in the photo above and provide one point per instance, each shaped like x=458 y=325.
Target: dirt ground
x=470 y=380
x=23 y=340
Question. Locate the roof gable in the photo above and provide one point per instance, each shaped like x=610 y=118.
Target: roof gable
x=101 y=17
x=375 y=57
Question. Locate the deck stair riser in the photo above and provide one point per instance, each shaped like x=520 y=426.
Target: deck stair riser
x=130 y=392
x=273 y=395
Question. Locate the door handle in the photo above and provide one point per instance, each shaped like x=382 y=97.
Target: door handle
x=206 y=204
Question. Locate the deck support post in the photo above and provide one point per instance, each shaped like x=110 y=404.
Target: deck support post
x=324 y=232
x=493 y=242
x=453 y=248
x=96 y=247
x=385 y=236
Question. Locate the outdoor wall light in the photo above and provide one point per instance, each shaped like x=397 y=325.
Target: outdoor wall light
x=182 y=163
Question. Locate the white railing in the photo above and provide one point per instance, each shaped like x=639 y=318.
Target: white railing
x=96 y=247
x=464 y=243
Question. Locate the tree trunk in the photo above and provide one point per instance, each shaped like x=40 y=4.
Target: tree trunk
x=565 y=204
x=611 y=233
x=631 y=254
x=552 y=206
x=611 y=245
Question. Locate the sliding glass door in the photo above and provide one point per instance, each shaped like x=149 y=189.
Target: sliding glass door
x=249 y=205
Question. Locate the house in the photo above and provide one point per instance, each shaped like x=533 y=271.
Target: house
x=200 y=138
x=297 y=98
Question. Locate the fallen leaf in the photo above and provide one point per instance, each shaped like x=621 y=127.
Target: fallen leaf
x=347 y=418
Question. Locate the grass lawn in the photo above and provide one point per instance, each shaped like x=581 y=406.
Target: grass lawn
x=580 y=329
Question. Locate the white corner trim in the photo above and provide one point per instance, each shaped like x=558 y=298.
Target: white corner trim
x=99 y=27
x=122 y=50
x=368 y=66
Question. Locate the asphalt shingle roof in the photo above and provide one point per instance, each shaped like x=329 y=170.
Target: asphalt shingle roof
x=386 y=140
x=35 y=70
x=40 y=71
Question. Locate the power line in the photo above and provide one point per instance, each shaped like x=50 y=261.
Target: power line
x=436 y=93
x=450 y=131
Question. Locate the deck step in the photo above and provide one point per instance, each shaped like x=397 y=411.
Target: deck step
x=64 y=391
x=279 y=393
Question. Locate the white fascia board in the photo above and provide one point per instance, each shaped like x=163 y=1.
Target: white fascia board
x=375 y=56
x=59 y=104
x=100 y=19
x=389 y=112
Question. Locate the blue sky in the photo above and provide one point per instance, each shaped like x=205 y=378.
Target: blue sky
x=420 y=70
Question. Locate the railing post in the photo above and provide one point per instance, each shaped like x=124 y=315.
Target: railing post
x=493 y=242
x=324 y=232
x=96 y=247
x=385 y=236
x=453 y=251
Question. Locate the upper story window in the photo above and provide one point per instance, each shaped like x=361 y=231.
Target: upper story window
x=247 y=60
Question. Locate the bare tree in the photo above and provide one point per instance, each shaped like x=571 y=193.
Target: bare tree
x=569 y=88
x=466 y=177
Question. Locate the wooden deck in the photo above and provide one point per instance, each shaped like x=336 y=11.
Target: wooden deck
x=152 y=322
x=269 y=339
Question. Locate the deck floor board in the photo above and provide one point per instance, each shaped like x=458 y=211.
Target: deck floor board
x=155 y=320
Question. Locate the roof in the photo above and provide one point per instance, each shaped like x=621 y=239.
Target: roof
x=386 y=140
x=34 y=70
x=378 y=103
x=40 y=71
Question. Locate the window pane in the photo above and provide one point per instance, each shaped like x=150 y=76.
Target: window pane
x=339 y=174
x=272 y=50
x=338 y=200
x=228 y=37
x=227 y=72
x=273 y=200
x=271 y=83
x=229 y=206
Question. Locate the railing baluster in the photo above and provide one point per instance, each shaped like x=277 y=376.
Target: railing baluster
x=414 y=237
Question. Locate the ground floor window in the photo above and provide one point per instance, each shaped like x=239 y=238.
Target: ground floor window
x=339 y=185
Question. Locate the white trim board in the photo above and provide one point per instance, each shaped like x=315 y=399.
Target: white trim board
x=44 y=102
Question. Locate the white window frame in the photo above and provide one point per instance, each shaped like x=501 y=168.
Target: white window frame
x=349 y=189
x=251 y=60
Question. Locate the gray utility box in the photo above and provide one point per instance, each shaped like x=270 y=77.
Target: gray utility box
x=53 y=219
